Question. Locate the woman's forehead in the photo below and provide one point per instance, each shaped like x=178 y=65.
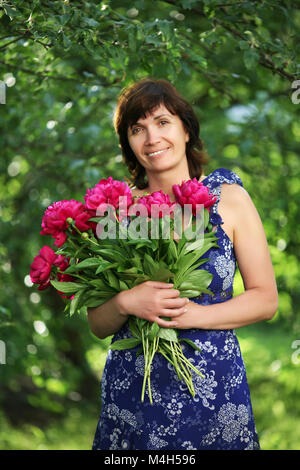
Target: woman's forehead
x=156 y=113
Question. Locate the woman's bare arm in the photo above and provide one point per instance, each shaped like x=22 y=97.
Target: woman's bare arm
x=259 y=301
x=107 y=319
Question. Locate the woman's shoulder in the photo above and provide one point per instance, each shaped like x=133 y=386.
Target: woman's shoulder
x=235 y=195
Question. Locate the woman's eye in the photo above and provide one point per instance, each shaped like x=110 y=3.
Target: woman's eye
x=163 y=122
x=135 y=130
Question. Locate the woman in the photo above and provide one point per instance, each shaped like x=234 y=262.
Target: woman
x=159 y=137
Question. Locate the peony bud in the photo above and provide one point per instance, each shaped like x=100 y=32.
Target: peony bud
x=69 y=220
x=85 y=235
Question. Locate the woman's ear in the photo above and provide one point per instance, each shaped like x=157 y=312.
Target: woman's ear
x=187 y=135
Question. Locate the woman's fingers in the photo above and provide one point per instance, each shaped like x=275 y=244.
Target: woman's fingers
x=174 y=312
x=175 y=303
x=171 y=294
x=159 y=284
x=165 y=323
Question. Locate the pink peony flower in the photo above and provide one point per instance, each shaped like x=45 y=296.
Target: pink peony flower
x=40 y=269
x=61 y=262
x=55 y=219
x=155 y=200
x=107 y=191
x=193 y=192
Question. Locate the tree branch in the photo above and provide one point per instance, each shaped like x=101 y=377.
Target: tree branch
x=10 y=42
x=59 y=77
x=264 y=61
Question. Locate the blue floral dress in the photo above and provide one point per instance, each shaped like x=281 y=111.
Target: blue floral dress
x=220 y=415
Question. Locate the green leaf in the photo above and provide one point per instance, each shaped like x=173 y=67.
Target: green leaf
x=204 y=245
x=87 y=263
x=163 y=274
x=141 y=323
x=197 y=279
x=190 y=293
x=150 y=266
x=154 y=331
x=127 y=343
x=123 y=285
x=75 y=302
x=132 y=40
x=67 y=287
x=105 y=265
x=185 y=262
x=188 y=4
x=5 y=311
x=133 y=328
x=126 y=271
x=112 y=280
x=112 y=254
x=198 y=58
x=244 y=45
x=251 y=58
x=168 y=334
x=92 y=303
x=172 y=252
x=90 y=22
x=10 y=12
x=196 y=245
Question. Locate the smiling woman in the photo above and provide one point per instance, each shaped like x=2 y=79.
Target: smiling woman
x=159 y=137
x=153 y=111
x=159 y=143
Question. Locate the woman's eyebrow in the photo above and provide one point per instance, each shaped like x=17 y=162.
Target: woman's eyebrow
x=155 y=119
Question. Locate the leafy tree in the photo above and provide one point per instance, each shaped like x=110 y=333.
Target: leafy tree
x=63 y=64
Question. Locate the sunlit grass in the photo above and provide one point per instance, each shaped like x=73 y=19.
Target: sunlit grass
x=274 y=384
x=74 y=432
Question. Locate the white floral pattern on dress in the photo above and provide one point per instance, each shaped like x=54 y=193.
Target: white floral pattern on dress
x=231 y=423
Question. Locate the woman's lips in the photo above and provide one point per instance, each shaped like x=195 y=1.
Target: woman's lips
x=157 y=152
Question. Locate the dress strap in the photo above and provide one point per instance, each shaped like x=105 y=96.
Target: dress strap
x=214 y=183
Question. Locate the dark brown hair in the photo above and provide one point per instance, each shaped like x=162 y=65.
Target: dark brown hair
x=144 y=97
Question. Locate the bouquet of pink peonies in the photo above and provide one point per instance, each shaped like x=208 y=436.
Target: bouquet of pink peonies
x=112 y=243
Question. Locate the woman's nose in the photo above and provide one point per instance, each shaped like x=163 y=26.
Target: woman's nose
x=152 y=137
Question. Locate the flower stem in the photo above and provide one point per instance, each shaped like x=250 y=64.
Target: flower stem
x=172 y=352
x=145 y=374
x=161 y=351
x=188 y=363
x=182 y=365
x=72 y=243
x=78 y=231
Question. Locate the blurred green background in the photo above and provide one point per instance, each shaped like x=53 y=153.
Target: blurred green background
x=62 y=66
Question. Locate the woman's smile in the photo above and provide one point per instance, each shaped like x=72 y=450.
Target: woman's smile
x=157 y=153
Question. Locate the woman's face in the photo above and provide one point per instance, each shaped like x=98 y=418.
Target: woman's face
x=159 y=140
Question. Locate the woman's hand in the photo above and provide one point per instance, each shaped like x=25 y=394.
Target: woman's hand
x=193 y=317
x=153 y=300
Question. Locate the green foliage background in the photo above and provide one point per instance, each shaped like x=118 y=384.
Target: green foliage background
x=63 y=64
